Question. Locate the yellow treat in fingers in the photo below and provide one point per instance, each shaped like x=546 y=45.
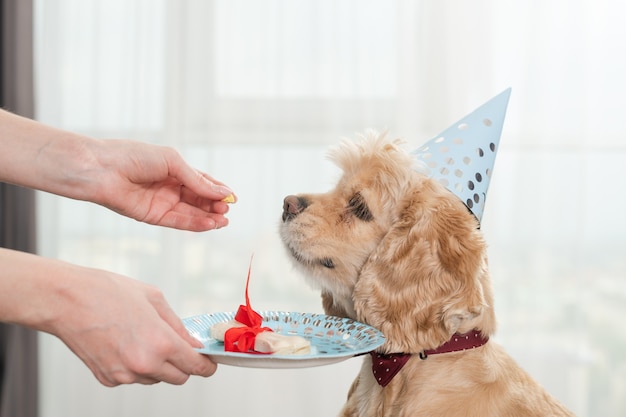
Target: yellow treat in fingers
x=229 y=199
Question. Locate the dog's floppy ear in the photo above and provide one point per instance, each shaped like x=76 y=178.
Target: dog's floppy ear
x=428 y=277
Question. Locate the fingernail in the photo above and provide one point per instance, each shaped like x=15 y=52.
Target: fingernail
x=196 y=343
x=221 y=189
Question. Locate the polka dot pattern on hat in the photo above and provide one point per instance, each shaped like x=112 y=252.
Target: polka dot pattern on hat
x=462 y=157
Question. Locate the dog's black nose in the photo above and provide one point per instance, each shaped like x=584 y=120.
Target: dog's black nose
x=292 y=206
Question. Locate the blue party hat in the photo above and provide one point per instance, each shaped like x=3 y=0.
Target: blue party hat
x=462 y=157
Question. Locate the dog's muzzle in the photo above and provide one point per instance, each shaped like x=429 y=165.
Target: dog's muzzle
x=292 y=206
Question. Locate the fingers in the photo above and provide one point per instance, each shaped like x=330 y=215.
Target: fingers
x=191 y=198
x=188 y=363
x=166 y=353
x=194 y=213
x=217 y=186
x=168 y=359
x=200 y=183
x=167 y=314
x=185 y=360
x=196 y=222
x=176 y=370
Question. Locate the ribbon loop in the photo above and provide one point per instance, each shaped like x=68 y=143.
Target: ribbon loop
x=241 y=339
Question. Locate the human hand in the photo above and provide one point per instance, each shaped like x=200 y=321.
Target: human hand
x=149 y=183
x=125 y=331
x=153 y=184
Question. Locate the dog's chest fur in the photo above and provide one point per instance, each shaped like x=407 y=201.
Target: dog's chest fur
x=484 y=382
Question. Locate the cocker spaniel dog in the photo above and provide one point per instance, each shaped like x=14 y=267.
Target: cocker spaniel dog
x=393 y=248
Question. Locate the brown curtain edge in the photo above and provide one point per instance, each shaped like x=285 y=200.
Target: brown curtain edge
x=19 y=386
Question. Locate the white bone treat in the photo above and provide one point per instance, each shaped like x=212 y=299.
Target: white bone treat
x=218 y=330
x=270 y=342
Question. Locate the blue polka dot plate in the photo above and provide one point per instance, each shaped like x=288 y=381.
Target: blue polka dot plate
x=333 y=339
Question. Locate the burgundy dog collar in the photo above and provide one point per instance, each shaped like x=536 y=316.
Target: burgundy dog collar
x=386 y=366
x=458 y=342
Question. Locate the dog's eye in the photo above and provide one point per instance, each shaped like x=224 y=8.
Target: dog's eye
x=328 y=263
x=359 y=208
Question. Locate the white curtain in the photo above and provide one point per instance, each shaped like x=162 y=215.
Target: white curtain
x=254 y=91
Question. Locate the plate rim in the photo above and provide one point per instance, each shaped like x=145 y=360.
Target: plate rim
x=279 y=361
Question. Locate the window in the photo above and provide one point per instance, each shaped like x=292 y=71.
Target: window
x=253 y=92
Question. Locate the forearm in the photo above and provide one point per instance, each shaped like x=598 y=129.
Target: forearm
x=45 y=158
x=31 y=289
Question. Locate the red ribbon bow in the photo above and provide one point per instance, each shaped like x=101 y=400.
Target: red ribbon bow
x=241 y=339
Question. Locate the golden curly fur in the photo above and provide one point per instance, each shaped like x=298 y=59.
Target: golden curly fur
x=396 y=250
